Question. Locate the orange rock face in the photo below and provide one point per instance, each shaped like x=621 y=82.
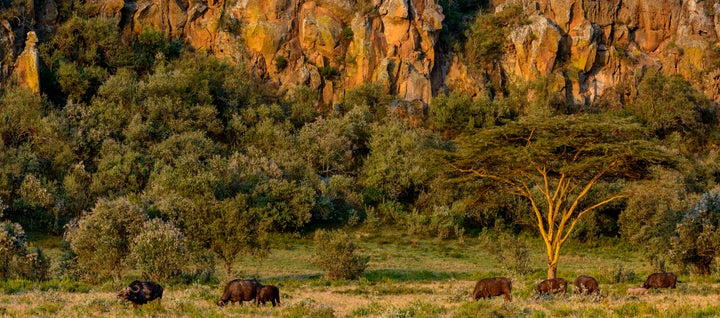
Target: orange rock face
x=335 y=45
x=27 y=65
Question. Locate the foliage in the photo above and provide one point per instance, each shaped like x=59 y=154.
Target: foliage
x=16 y=257
x=652 y=210
x=511 y=252
x=326 y=146
x=280 y=62
x=20 y=117
x=395 y=164
x=487 y=36
x=372 y=95
x=150 y=46
x=441 y=222
x=328 y=72
x=159 y=250
x=335 y=252
x=668 y=104
x=697 y=240
x=347 y=33
x=227 y=205
x=554 y=163
x=454 y=114
x=458 y=16
x=101 y=239
x=12 y=247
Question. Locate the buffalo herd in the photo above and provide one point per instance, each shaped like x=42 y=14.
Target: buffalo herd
x=584 y=285
x=239 y=290
x=236 y=291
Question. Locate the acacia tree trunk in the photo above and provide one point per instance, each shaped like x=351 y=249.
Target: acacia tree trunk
x=552 y=270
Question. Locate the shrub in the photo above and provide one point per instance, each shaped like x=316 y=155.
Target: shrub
x=698 y=239
x=441 y=222
x=100 y=240
x=280 y=62
x=159 y=250
x=372 y=95
x=12 y=247
x=335 y=253
x=328 y=72
x=347 y=33
x=37 y=265
x=512 y=252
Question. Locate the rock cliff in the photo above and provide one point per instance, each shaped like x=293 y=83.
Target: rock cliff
x=597 y=45
x=335 y=45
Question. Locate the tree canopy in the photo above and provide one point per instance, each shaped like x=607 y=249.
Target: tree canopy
x=555 y=163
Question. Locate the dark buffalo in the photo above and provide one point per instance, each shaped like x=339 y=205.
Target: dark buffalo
x=239 y=290
x=552 y=286
x=660 y=280
x=489 y=287
x=139 y=293
x=269 y=293
x=586 y=285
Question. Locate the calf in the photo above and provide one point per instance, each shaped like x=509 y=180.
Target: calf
x=269 y=293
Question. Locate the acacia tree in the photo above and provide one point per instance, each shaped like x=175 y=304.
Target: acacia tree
x=554 y=163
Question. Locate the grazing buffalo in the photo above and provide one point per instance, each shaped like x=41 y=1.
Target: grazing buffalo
x=239 y=290
x=586 y=285
x=552 y=286
x=660 y=280
x=268 y=293
x=489 y=287
x=139 y=293
x=637 y=291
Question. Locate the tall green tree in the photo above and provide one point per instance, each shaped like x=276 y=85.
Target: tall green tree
x=697 y=240
x=394 y=168
x=555 y=163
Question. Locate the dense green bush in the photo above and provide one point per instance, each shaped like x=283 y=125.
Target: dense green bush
x=16 y=258
x=487 y=36
x=669 y=104
x=101 y=239
x=697 y=240
x=395 y=165
x=652 y=210
x=159 y=250
x=335 y=252
x=12 y=247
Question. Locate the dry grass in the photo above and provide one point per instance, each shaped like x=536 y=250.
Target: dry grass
x=444 y=299
x=406 y=278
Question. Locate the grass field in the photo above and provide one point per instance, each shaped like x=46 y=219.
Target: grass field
x=406 y=277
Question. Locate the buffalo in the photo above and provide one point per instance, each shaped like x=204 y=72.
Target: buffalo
x=660 y=280
x=586 y=285
x=139 y=293
x=489 y=287
x=552 y=286
x=239 y=290
x=269 y=293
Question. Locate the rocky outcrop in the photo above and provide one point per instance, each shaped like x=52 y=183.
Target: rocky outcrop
x=331 y=46
x=602 y=44
x=27 y=65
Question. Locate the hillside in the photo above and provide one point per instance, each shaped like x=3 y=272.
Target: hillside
x=176 y=140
